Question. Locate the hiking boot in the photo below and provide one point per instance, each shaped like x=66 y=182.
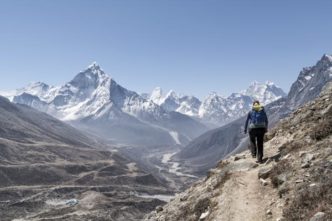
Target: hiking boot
x=259 y=161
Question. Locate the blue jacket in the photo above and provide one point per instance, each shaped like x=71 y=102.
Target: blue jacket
x=250 y=118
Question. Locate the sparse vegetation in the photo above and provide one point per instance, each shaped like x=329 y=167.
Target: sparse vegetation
x=309 y=200
x=322 y=130
x=201 y=206
x=280 y=168
x=291 y=147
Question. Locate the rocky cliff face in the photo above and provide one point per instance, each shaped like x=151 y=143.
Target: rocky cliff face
x=310 y=82
x=294 y=183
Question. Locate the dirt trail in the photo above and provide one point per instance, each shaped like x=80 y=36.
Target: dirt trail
x=244 y=197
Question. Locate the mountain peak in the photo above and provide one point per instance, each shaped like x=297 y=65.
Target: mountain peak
x=264 y=92
x=327 y=57
x=94 y=65
x=269 y=83
x=36 y=83
x=156 y=95
x=253 y=83
x=157 y=90
x=213 y=94
x=88 y=80
x=36 y=87
x=324 y=62
x=172 y=93
x=95 y=69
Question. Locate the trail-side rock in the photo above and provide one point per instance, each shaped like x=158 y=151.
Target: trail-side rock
x=264 y=173
x=159 y=209
x=318 y=217
x=269 y=212
x=263 y=182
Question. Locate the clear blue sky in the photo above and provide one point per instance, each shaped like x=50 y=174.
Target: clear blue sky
x=191 y=46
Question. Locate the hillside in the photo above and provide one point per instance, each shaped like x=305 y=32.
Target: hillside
x=293 y=184
x=51 y=171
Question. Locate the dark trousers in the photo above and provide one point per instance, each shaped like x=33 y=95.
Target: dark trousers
x=257 y=140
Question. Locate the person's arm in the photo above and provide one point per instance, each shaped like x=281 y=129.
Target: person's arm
x=246 y=125
x=266 y=121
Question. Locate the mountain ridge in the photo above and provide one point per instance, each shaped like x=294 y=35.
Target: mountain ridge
x=216 y=110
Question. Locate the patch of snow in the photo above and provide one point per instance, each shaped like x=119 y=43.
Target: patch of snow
x=308 y=78
x=8 y=94
x=167 y=157
x=157 y=95
x=93 y=64
x=175 y=137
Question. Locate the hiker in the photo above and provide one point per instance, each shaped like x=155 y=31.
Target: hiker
x=258 y=124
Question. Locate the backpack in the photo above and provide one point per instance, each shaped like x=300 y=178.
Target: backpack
x=258 y=119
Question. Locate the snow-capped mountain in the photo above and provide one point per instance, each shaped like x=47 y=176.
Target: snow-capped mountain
x=216 y=110
x=265 y=93
x=95 y=102
x=188 y=105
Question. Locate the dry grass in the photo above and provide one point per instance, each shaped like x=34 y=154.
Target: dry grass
x=322 y=130
x=291 y=146
x=323 y=127
x=310 y=200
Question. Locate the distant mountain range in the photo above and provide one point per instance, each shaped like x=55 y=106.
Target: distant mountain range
x=94 y=102
x=216 y=110
x=205 y=151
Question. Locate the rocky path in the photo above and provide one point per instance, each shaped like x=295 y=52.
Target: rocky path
x=244 y=196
